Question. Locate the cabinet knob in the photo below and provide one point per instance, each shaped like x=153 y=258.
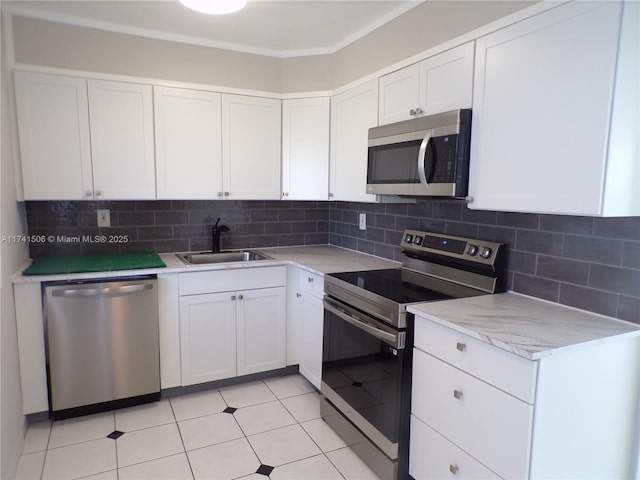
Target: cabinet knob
x=226 y=194
x=331 y=195
x=98 y=193
x=88 y=193
x=468 y=199
x=461 y=347
x=457 y=394
x=453 y=468
x=310 y=279
x=285 y=194
x=219 y=194
x=298 y=294
x=415 y=111
x=240 y=297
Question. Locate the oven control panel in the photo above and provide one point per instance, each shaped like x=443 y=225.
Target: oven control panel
x=479 y=251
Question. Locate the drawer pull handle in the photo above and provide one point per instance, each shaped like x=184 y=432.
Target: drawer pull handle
x=457 y=394
x=453 y=468
x=310 y=280
x=298 y=295
x=461 y=347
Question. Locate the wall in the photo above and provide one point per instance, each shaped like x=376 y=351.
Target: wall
x=12 y=255
x=584 y=262
x=176 y=226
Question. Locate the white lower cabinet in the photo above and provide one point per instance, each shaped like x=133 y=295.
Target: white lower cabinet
x=305 y=323
x=479 y=411
x=234 y=332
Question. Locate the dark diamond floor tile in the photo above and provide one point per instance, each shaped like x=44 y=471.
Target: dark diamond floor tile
x=230 y=410
x=115 y=434
x=264 y=470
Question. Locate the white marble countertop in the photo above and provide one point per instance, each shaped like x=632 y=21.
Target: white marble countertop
x=319 y=259
x=523 y=325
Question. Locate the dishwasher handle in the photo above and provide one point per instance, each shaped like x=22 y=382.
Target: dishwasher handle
x=105 y=291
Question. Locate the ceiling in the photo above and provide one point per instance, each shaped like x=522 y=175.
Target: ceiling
x=281 y=28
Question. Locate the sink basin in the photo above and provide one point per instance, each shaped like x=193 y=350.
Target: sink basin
x=203 y=258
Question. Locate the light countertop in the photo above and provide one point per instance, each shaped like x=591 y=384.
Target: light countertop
x=320 y=259
x=523 y=325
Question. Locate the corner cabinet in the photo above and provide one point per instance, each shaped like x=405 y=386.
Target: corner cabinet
x=251 y=140
x=437 y=84
x=188 y=125
x=305 y=148
x=556 y=113
x=84 y=139
x=353 y=112
x=235 y=330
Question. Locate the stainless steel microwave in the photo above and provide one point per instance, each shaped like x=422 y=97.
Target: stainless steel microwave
x=427 y=156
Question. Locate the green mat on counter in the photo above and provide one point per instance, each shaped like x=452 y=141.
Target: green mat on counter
x=93 y=263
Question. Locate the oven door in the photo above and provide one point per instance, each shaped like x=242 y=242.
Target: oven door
x=363 y=372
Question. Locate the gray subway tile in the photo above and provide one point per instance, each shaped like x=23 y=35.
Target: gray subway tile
x=631 y=255
x=571 y=271
x=588 y=299
x=504 y=235
x=461 y=229
x=620 y=227
x=522 y=262
x=172 y=218
x=447 y=210
x=264 y=215
x=567 y=224
x=536 y=287
x=290 y=214
x=628 y=309
x=375 y=234
x=366 y=246
x=485 y=217
x=155 y=233
x=518 y=220
x=625 y=281
x=539 y=242
x=592 y=249
x=383 y=220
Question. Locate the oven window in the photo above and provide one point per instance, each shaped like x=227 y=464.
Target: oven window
x=365 y=372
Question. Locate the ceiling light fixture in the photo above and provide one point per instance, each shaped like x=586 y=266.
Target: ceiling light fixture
x=214 y=7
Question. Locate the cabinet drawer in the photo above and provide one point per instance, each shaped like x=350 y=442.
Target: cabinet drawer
x=195 y=283
x=489 y=424
x=311 y=283
x=433 y=457
x=507 y=371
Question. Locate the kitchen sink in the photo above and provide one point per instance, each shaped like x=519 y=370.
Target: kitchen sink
x=203 y=258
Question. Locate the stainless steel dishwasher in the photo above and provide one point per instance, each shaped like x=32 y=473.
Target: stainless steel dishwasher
x=102 y=344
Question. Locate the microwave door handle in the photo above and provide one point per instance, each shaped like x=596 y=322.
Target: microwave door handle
x=422 y=153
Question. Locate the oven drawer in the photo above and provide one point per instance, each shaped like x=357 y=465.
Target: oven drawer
x=507 y=371
x=433 y=457
x=488 y=423
x=311 y=283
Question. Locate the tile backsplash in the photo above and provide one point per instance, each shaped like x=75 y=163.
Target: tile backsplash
x=589 y=263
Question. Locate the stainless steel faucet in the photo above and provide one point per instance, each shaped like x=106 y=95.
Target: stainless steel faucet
x=216 y=231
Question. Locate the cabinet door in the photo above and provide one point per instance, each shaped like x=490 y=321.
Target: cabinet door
x=399 y=95
x=305 y=149
x=121 y=116
x=311 y=328
x=188 y=127
x=541 y=110
x=53 y=130
x=207 y=337
x=352 y=114
x=446 y=80
x=261 y=323
x=251 y=137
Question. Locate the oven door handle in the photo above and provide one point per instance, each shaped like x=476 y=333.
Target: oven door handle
x=395 y=340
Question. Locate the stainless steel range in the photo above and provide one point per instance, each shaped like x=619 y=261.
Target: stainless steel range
x=368 y=338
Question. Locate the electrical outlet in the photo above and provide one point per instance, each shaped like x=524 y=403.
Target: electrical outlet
x=104 y=218
x=362 y=221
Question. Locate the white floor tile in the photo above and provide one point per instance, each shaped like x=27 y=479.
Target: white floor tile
x=148 y=444
x=144 y=416
x=350 y=465
x=314 y=468
x=80 y=459
x=224 y=461
x=289 y=386
x=284 y=445
x=247 y=394
x=303 y=407
x=37 y=438
x=30 y=466
x=110 y=475
x=81 y=429
x=323 y=435
x=263 y=417
x=175 y=467
x=198 y=404
x=204 y=431
x=253 y=476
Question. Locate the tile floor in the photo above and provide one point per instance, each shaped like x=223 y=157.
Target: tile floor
x=257 y=430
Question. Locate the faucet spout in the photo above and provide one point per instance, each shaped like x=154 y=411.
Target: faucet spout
x=216 y=231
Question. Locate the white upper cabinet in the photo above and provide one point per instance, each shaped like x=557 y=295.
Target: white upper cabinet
x=251 y=139
x=121 y=119
x=53 y=129
x=353 y=112
x=555 y=113
x=437 y=84
x=84 y=139
x=305 y=149
x=188 y=126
